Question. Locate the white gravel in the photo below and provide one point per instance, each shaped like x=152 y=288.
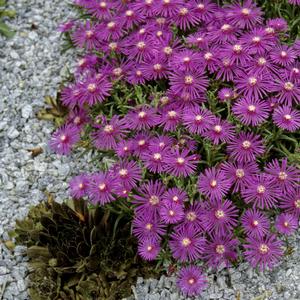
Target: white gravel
x=31 y=67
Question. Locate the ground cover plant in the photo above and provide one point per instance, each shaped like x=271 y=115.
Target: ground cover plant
x=4 y=29
x=196 y=105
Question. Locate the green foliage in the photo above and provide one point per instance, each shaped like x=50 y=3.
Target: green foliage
x=4 y=29
x=78 y=252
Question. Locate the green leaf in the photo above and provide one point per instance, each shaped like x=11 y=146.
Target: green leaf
x=6 y=31
x=2 y=2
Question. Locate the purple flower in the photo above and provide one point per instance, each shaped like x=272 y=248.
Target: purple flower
x=111 y=29
x=180 y=163
x=220 y=249
x=251 y=111
x=294 y=2
x=287 y=118
x=155 y=67
x=87 y=35
x=127 y=173
x=175 y=195
x=205 y=9
x=255 y=223
x=67 y=26
x=197 y=120
x=244 y=16
x=263 y=252
x=245 y=147
x=291 y=202
x=279 y=24
x=211 y=58
x=101 y=11
x=186 y=244
x=236 y=54
x=142 y=118
x=219 y=216
x=64 y=138
x=213 y=183
x=227 y=68
x=149 y=197
x=107 y=136
x=239 y=173
x=78 y=117
x=192 y=83
x=95 y=89
x=146 y=226
x=167 y=8
x=123 y=149
x=286 y=177
x=186 y=16
x=262 y=190
x=70 y=96
x=79 y=186
x=171 y=212
x=286 y=223
x=220 y=131
x=136 y=75
x=193 y=217
x=225 y=94
x=148 y=249
x=101 y=188
x=170 y=118
x=191 y=280
x=145 y=7
x=140 y=143
x=253 y=85
x=186 y=60
x=154 y=159
x=283 y=55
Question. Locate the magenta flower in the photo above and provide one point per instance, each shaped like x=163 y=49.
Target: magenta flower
x=154 y=158
x=142 y=118
x=145 y=7
x=239 y=173
x=197 y=120
x=245 y=147
x=186 y=60
x=287 y=118
x=236 y=53
x=95 y=89
x=111 y=29
x=191 y=83
x=167 y=8
x=191 y=281
x=219 y=216
x=64 y=138
x=155 y=67
x=186 y=16
x=171 y=212
x=221 y=249
x=175 y=195
x=244 y=16
x=263 y=252
x=101 y=11
x=294 y=2
x=253 y=85
x=255 y=223
x=146 y=226
x=127 y=173
x=67 y=26
x=225 y=94
x=186 y=244
x=226 y=68
x=205 y=9
x=87 y=35
x=149 y=197
x=213 y=183
x=123 y=149
x=110 y=132
x=79 y=186
x=180 y=163
x=251 y=111
x=291 y=202
x=286 y=223
x=101 y=188
x=170 y=118
x=279 y=24
x=262 y=190
x=140 y=143
x=283 y=55
x=220 y=131
x=148 y=249
x=287 y=177
x=193 y=217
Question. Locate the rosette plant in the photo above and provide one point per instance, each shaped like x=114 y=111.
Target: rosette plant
x=197 y=103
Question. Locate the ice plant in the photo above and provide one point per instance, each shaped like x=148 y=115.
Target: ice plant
x=196 y=104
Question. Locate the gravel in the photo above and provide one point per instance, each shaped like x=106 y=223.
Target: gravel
x=31 y=67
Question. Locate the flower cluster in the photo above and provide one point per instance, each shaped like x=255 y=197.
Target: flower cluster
x=211 y=89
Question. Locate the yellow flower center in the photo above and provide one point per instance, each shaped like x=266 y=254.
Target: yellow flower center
x=149 y=248
x=81 y=185
x=286 y=224
x=237 y=48
x=239 y=173
x=208 y=56
x=175 y=198
x=123 y=172
x=157 y=156
x=213 y=183
x=218 y=128
x=154 y=200
x=264 y=249
x=149 y=226
x=171 y=213
x=270 y=30
x=102 y=186
x=191 y=216
x=219 y=214
x=129 y=13
x=138 y=73
x=226 y=27
x=261 y=189
x=117 y=71
x=111 y=25
x=141 y=45
x=252 y=81
x=102 y=4
x=142 y=114
x=198 y=118
x=168 y=50
x=63 y=137
x=183 y=11
x=159 y=33
x=157 y=67
x=220 y=249
x=256 y=39
x=261 y=61
x=288 y=86
x=149 y=1
x=186 y=242
x=283 y=54
x=91 y=87
x=89 y=33
x=191 y=281
x=113 y=46
x=246 y=144
x=108 y=129
x=282 y=175
x=188 y=79
x=201 y=6
x=255 y=223
x=246 y=11
x=252 y=108
x=287 y=117
x=297 y=203
x=142 y=142
x=186 y=59
x=180 y=160
x=172 y=114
